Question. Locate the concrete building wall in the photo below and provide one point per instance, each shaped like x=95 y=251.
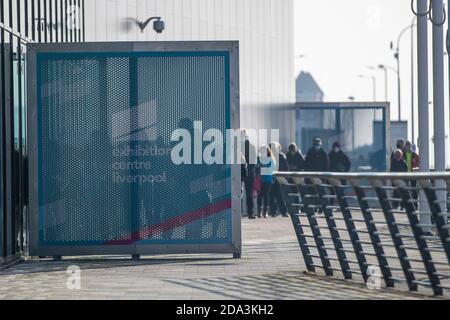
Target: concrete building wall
x=264 y=29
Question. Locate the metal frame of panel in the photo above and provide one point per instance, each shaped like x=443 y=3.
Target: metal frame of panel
x=19 y=26
x=385 y=106
x=232 y=47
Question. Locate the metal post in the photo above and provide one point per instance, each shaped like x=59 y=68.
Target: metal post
x=336 y=237
x=438 y=94
x=134 y=124
x=395 y=232
x=419 y=235
x=397 y=56
x=399 y=87
x=373 y=233
x=447 y=42
x=374 y=85
x=374 y=82
x=386 y=95
x=439 y=220
x=292 y=196
x=413 y=130
x=309 y=197
x=351 y=228
x=422 y=103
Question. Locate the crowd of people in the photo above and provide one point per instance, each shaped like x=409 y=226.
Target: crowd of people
x=405 y=158
x=258 y=180
x=260 y=184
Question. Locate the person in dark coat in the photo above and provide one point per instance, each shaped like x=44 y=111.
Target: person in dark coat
x=400 y=145
x=249 y=179
x=244 y=172
x=296 y=163
x=276 y=195
x=412 y=161
x=295 y=159
x=317 y=159
x=339 y=162
x=398 y=164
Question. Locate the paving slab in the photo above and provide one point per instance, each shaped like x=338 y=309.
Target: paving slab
x=271 y=267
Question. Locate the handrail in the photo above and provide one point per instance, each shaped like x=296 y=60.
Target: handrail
x=350 y=223
x=365 y=175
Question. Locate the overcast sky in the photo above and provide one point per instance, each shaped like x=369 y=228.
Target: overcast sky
x=341 y=38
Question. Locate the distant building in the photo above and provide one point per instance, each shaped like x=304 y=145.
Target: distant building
x=264 y=29
x=307 y=89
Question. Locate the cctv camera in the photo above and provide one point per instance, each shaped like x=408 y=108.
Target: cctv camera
x=158 y=26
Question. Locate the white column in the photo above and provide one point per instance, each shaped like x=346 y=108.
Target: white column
x=423 y=108
x=438 y=94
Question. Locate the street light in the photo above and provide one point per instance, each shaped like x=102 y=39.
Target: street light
x=385 y=79
x=447 y=45
x=374 y=84
x=385 y=68
x=386 y=94
x=397 y=57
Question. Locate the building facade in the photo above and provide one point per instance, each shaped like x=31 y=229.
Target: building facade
x=22 y=22
x=264 y=29
x=307 y=89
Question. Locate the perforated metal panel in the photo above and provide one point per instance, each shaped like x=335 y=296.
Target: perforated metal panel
x=100 y=134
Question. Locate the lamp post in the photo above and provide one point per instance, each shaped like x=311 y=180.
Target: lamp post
x=385 y=81
x=413 y=129
x=386 y=94
x=438 y=19
x=375 y=69
x=397 y=57
x=385 y=68
x=374 y=84
x=447 y=45
x=423 y=104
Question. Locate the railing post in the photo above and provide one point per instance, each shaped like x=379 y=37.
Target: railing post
x=342 y=257
x=354 y=237
x=440 y=219
x=373 y=233
x=310 y=214
x=290 y=191
x=395 y=234
x=418 y=235
x=318 y=190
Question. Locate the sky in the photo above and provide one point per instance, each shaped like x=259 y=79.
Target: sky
x=338 y=40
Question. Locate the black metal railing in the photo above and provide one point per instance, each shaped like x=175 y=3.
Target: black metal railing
x=390 y=228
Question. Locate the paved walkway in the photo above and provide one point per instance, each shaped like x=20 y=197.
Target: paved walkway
x=270 y=268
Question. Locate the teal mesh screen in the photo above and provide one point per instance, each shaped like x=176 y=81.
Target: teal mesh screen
x=104 y=126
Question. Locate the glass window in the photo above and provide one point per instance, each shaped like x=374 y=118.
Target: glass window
x=359 y=131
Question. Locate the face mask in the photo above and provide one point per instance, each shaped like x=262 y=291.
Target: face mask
x=336 y=150
x=317 y=146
